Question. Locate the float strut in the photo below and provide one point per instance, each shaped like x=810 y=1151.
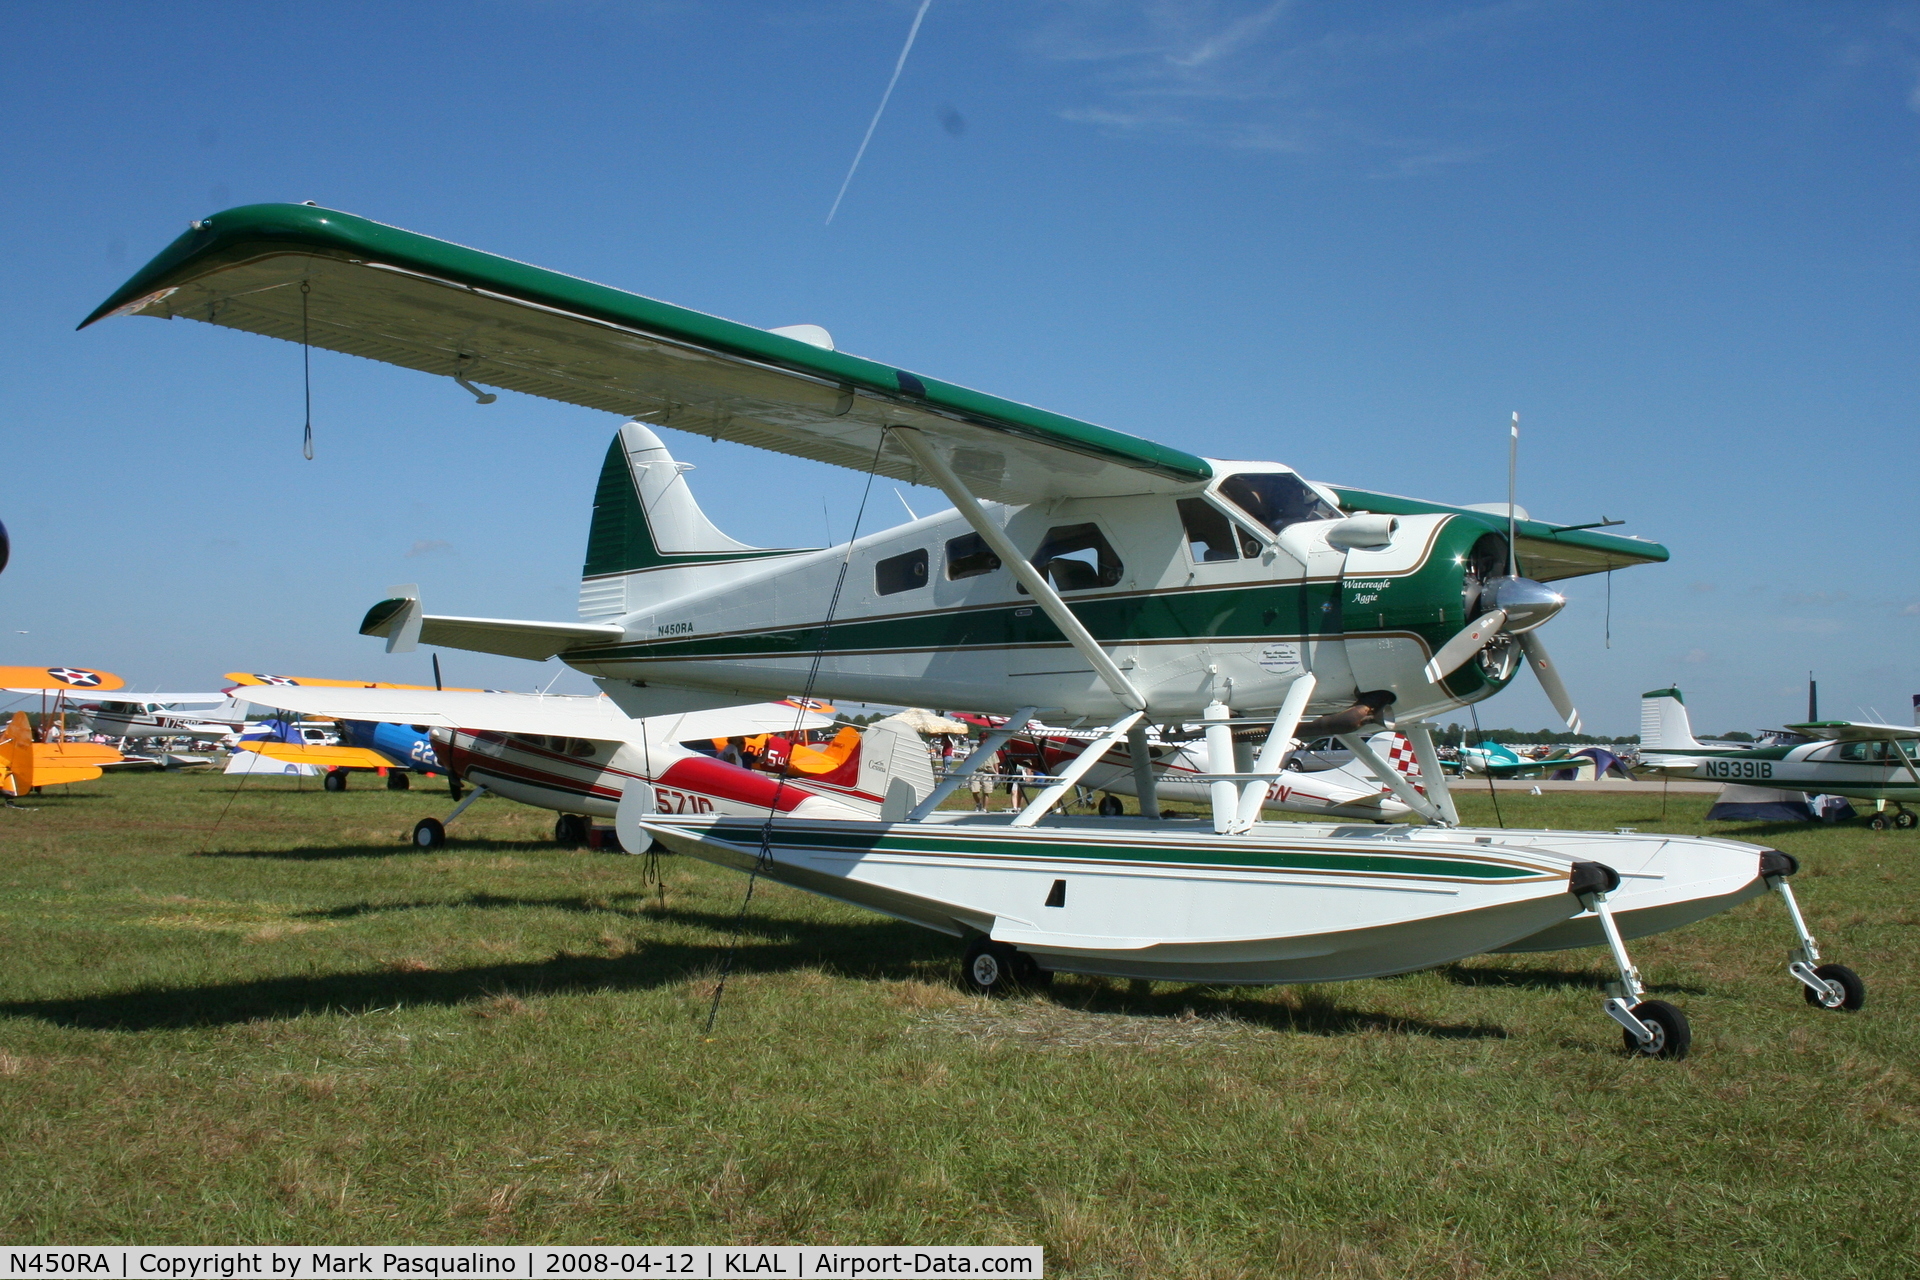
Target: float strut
x=1620 y=1003
x=1805 y=958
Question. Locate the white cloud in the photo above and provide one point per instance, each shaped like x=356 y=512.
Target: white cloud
x=427 y=546
x=1280 y=75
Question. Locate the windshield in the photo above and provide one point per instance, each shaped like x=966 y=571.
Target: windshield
x=1277 y=499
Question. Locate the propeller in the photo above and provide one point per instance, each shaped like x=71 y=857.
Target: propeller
x=1514 y=608
x=1549 y=678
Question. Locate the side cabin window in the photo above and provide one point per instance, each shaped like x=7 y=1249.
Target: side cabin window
x=969 y=556
x=1277 y=499
x=1211 y=536
x=1862 y=752
x=901 y=572
x=1077 y=557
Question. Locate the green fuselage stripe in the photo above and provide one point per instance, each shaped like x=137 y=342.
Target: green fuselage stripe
x=1259 y=612
x=1250 y=857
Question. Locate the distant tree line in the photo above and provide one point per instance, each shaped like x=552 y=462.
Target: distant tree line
x=1455 y=735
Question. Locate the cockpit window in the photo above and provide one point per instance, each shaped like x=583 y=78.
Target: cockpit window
x=1277 y=499
x=1210 y=535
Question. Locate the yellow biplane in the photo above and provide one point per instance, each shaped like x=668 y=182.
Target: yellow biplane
x=29 y=760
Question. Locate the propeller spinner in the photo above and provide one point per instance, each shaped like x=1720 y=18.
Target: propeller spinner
x=1512 y=607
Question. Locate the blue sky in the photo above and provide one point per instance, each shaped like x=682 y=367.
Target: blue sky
x=1682 y=240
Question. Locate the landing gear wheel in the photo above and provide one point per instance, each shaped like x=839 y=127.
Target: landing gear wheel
x=397 y=781
x=1110 y=807
x=1853 y=992
x=996 y=969
x=1906 y=819
x=1671 y=1035
x=429 y=834
x=336 y=780
x=1879 y=822
x=570 y=831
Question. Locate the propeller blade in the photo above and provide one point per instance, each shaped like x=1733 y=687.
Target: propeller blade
x=1543 y=670
x=1452 y=655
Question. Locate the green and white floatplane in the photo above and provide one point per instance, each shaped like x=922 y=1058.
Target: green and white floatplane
x=1086 y=575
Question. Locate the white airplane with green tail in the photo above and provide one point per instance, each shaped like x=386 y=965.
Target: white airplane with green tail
x=1084 y=575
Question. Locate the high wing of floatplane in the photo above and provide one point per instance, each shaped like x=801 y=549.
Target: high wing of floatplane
x=1084 y=575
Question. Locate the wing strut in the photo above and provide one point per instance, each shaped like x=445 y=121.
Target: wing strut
x=1036 y=584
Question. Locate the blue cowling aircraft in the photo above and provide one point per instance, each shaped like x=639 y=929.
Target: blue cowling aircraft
x=407 y=747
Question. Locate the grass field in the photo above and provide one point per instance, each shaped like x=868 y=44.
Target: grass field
x=296 y=1028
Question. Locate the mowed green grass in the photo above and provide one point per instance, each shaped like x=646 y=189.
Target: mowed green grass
x=296 y=1028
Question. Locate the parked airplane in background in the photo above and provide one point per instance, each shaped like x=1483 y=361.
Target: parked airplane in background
x=579 y=755
x=46 y=758
x=1857 y=759
x=1349 y=791
x=397 y=750
x=153 y=715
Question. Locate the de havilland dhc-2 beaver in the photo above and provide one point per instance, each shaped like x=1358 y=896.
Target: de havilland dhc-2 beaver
x=1086 y=576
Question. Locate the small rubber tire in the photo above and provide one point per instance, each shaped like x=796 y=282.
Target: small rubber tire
x=336 y=780
x=1672 y=1037
x=397 y=781
x=1111 y=807
x=1879 y=822
x=1854 y=991
x=569 y=831
x=1906 y=820
x=429 y=834
x=994 y=968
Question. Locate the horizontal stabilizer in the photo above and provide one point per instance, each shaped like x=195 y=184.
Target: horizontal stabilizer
x=509 y=637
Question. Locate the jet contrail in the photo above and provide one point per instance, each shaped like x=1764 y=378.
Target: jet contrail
x=874 y=123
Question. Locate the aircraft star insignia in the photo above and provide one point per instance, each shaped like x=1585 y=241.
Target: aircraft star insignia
x=79 y=677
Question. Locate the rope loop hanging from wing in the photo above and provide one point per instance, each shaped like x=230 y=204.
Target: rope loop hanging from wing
x=765 y=859
x=306 y=372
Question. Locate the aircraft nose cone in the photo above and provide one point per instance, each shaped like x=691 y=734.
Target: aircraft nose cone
x=1527 y=603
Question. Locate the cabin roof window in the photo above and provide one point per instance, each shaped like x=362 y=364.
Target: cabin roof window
x=1211 y=536
x=968 y=556
x=901 y=573
x=1276 y=498
x=1077 y=557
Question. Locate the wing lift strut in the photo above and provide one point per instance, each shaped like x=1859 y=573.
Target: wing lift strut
x=1071 y=627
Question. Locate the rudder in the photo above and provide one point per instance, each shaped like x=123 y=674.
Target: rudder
x=1664 y=721
x=649 y=540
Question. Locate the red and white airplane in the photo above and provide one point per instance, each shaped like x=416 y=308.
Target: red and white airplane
x=579 y=755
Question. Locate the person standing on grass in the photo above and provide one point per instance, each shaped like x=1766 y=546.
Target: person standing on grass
x=980 y=784
x=1017 y=784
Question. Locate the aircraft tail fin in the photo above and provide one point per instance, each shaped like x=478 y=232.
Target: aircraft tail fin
x=1396 y=749
x=649 y=540
x=1664 y=721
x=16 y=755
x=895 y=766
